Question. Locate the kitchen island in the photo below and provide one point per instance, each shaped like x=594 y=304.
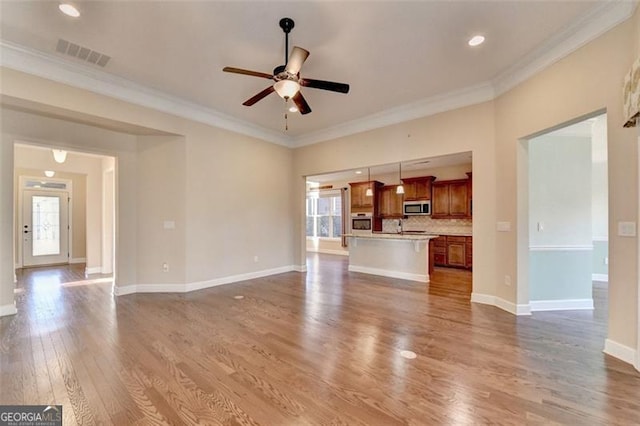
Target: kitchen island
x=404 y=256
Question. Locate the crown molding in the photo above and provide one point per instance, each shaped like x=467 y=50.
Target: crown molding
x=429 y=106
x=48 y=66
x=588 y=27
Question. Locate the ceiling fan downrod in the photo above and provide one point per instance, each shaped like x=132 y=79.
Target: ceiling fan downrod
x=287 y=25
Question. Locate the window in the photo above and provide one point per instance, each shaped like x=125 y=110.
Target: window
x=324 y=214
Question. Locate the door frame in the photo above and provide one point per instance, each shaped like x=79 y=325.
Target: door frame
x=21 y=188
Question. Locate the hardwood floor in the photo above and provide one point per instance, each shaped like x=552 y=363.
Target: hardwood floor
x=315 y=348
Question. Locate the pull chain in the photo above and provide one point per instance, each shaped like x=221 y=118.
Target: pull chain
x=286 y=122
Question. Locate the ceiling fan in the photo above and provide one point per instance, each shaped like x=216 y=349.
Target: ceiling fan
x=287 y=77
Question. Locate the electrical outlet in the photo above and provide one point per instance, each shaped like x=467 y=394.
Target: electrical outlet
x=507 y=280
x=540 y=226
x=255 y=259
x=606 y=260
x=165 y=267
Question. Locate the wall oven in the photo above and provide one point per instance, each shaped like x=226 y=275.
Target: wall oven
x=415 y=208
x=361 y=223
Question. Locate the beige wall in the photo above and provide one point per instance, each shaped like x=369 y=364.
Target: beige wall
x=228 y=194
x=78 y=206
x=6 y=227
x=238 y=204
x=161 y=197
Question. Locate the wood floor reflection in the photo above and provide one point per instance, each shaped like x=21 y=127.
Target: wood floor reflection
x=315 y=348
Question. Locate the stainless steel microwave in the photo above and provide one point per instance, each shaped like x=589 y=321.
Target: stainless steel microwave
x=415 y=208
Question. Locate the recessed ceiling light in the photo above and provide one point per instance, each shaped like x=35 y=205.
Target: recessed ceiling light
x=69 y=10
x=293 y=108
x=49 y=173
x=476 y=40
x=358 y=172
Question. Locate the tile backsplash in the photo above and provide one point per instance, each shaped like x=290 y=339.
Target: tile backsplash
x=426 y=223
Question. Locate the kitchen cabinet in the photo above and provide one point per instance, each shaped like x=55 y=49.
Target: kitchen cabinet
x=453 y=251
x=440 y=251
x=451 y=199
x=389 y=203
x=417 y=188
x=360 y=203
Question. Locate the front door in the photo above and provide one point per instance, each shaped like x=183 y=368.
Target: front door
x=45 y=227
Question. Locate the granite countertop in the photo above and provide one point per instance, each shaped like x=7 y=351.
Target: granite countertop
x=457 y=234
x=384 y=236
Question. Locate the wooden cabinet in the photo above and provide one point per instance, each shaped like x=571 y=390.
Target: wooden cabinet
x=360 y=203
x=389 y=202
x=453 y=251
x=440 y=251
x=418 y=188
x=451 y=199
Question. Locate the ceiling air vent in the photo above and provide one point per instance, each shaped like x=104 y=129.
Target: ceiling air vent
x=83 y=53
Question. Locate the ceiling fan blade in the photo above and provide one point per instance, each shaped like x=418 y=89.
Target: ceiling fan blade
x=259 y=96
x=301 y=103
x=325 y=85
x=296 y=59
x=247 y=72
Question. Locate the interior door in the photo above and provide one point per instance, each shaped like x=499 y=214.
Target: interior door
x=45 y=227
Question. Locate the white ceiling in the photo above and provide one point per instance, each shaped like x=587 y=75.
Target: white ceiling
x=393 y=54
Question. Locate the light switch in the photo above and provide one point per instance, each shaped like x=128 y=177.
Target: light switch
x=627 y=229
x=169 y=224
x=503 y=226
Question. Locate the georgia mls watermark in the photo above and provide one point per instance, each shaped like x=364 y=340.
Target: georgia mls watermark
x=30 y=415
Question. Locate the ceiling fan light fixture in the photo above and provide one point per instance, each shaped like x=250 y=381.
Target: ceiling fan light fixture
x=293 y=108
x=286 y=88
x=49 y=173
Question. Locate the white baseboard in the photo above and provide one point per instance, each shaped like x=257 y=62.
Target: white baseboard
x=300 y=268
x=622 y=352
x=600 y=277
x=505 y=305
x=78 y=260
x=198 y=285
x=17 y=266
x=329 y=251
x=391 y=274
x=93 y=270
x=561 y=305
x=6 y=310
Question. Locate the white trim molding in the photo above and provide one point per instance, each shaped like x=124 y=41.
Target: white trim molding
x=74 y=260
x=198 y=285
x=561 y=305
x=600 y=238
x=600 y=277
x=93 y=270
x=6 y=310
x=620 y=351
x=567 y=247
x=423 y=278
x=591 y=25
x=300 y=268
x=498 y=302
x=329 y=251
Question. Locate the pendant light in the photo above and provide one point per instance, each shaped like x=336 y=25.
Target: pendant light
x=369 y=191
x=59 y=155
x=400 y=188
